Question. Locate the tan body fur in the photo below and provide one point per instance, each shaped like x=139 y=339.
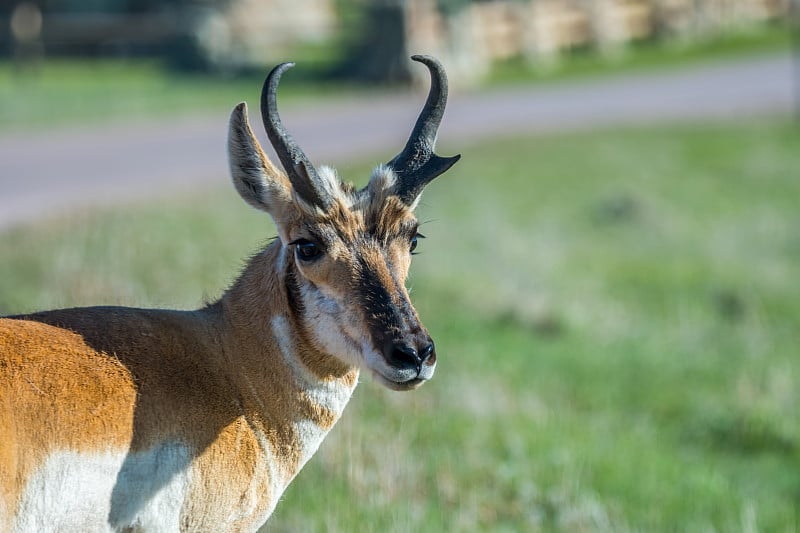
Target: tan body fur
x=135 y=377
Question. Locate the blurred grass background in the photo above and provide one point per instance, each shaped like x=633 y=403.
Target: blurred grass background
x=66 y=91
x=617 y=315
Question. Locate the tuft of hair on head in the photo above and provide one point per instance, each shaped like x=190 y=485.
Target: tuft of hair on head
x=381 y=185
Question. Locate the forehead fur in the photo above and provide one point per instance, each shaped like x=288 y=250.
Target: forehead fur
x=374 y=209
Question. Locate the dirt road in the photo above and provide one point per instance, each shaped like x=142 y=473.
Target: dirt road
x=50 y=172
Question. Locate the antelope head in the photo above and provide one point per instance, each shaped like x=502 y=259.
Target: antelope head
x=346 y=252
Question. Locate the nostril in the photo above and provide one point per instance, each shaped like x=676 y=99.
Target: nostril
x=404 y=356
x=428 y=354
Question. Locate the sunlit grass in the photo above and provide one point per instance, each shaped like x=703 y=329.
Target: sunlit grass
x=616 y=315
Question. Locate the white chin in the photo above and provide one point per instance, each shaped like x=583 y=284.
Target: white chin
x=401 y=385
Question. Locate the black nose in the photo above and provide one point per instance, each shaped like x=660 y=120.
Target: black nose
x=402 y=355
x=428 y=354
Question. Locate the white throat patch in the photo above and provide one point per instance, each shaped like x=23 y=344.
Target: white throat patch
x=329 y=395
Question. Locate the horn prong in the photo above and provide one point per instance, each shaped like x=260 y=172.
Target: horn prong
x=417 y=165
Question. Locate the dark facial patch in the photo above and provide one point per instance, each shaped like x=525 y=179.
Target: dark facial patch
x=387 y=310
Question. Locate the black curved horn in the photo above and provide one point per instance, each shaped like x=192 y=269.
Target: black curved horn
x=301 y=172
x=417 y=165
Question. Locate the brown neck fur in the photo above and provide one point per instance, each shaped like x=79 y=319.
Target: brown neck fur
x=271 y=395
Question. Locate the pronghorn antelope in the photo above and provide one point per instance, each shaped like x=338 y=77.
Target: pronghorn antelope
x=121 y=419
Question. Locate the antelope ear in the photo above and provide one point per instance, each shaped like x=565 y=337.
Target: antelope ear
x=259 y=182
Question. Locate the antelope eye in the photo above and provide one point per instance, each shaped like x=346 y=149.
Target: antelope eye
x=414 y=241
x=306 y=250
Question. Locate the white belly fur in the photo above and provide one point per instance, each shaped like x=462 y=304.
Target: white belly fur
x=106 y=491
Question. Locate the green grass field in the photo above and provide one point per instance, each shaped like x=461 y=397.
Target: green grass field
x=617 y=316
x=65 y=91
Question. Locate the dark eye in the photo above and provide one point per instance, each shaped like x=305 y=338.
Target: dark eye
x=306 y=250
x=414 y=241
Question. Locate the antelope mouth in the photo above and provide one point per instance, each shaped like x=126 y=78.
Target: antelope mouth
x=411 y=384
x=403 y=378
x=399 y=367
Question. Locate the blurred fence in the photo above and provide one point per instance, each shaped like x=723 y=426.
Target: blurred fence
x=195 y=34
x=541 y=31
x=469 y=35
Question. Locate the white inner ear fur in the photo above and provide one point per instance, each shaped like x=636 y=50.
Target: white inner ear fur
x=257 y=180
